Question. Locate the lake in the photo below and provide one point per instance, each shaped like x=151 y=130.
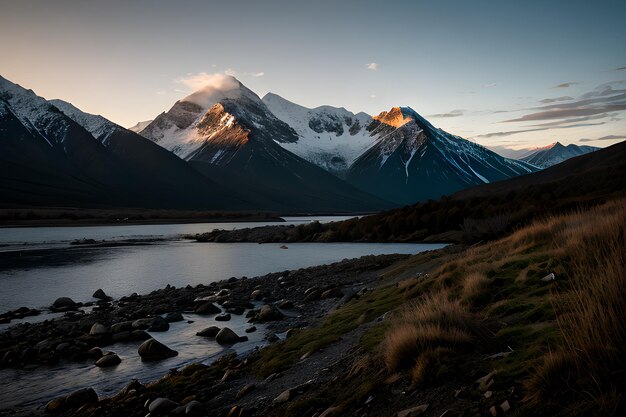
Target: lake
x=52 y=268
x=78 y=271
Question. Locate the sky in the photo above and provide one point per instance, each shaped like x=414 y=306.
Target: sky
x=501 y=73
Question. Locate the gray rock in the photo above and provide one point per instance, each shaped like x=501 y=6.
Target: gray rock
x=124 y=326
x=100 y=295
x=99 y=329
x=173 y=317
x=251 y=329
x=153 y=350
x=110 y=359
x=143 y=324
x=208 y=308
x=222 y=317
x=161 y=406
x=159 y=324
x=256 y=295
x=268 y=313
x=285 y=304
x=63 y=304
x=95 y=353
x=314 y=295
x=209 y=332
x=227 y=337
x=81 y=397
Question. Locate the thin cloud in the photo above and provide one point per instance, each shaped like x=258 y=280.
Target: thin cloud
x=453 y=113
x=556 y=99
x=620 y=69
x=609 y=137
x=257 y=74
x=490 y=85
x=538 y=129
x=604 y=99
x=372 y=66
x=566 y=85
x=373 y=96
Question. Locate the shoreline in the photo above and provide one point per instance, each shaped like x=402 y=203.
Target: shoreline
x=289 y=306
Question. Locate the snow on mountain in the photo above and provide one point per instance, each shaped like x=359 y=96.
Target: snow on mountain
x=329 y=137
x=177 y=129
x=413 y=161
x=556 y=153
x=97 y=125
x=35 y=112
x=226 y=130
x=139 y=126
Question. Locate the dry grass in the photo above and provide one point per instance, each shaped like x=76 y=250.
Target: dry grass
x=431 y=322
x=474 y=285
x=592 y=312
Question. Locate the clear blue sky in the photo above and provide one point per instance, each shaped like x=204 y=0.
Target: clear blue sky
x=485 y=70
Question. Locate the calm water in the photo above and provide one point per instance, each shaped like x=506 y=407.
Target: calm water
x=123 y=270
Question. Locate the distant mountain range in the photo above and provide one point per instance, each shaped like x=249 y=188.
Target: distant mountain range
x=224 y=148
x=556 y=153
x=544 y=157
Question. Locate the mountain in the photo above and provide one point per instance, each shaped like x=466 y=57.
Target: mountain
x=226 y=130
x=329 y=137
x=413 y=161
x=511 y=153
x=556 y=153
x=139 y=126
x=71 y=158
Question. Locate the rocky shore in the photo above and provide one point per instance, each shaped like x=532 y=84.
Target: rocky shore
x=284 y=302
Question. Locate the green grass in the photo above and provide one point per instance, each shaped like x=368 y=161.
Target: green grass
x=283 y=355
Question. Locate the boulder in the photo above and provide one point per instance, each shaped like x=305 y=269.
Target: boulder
x=63 y=304
x=222 y=317
x=313 y=295
x=81 y=397
x=268 y=313
x=251 y=329
x=153 y=350
x=285 y=304
x=110 y=359
x=226 y=337
x=159 y=324
x=100 y=295
x=209 y=332
x=161 y=406
x=208 y=308
x=124 y=326
x=95 y=353
x=99 y=329
x=143 y=324
x=174 y=317
x=256 y=295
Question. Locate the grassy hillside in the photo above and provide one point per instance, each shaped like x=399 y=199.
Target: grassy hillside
x=484 y=329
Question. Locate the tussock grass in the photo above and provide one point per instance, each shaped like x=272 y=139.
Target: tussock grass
x=433 y=321
x=591 y=314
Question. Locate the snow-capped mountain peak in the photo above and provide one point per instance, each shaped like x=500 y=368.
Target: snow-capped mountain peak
x=330 y=137
x=95 y=124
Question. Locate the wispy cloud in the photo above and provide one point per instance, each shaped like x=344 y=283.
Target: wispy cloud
x=620 y=69
x=538 y=129
x=373 y=96
x=453 y=113
x=566 y=85
x=604 y=99
x=372 y=66
x=490 y=85
x=556 y=99
x=609 y=137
